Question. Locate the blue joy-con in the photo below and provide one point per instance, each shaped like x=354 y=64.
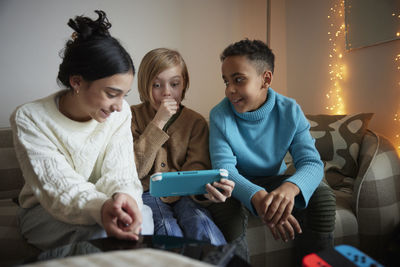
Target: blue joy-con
x=359 y=258
x=164 y=184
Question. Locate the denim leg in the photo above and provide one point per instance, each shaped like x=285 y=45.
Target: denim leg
x=147 y=221
x=196 y=222
x=165 y=222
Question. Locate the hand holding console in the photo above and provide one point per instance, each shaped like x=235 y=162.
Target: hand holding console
x=185 y=182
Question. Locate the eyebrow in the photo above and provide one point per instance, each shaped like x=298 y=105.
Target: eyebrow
x=234 y=74
x=177 y=76
x=118 y=90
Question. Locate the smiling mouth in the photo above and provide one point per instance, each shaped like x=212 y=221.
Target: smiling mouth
x=235 y=101
x=106 y=113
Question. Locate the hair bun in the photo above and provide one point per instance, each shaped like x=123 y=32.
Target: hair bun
x=86 y=28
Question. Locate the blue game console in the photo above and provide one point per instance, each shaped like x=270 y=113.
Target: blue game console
x=164 y=184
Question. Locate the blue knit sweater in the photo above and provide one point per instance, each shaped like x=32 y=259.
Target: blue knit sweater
x=253 y=144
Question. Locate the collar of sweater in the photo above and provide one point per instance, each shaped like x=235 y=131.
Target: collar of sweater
x=51 y=107
x=261 y=112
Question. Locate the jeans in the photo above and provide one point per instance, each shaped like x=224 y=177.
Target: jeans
x=184 y=218
x=45 y=232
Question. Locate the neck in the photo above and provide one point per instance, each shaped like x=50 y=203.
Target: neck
x=69 y=107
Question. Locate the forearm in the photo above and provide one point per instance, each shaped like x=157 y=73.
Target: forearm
x=146 y=146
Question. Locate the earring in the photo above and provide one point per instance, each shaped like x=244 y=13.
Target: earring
x=76 y=91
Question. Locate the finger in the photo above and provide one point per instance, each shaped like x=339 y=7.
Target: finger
x=135 y=215
x=274 y=232
x=115 y=231
x=282 y=232
x=270 y=206
x=227 y=182
x=217 y=196
x=226 y=189
x=286 y=213
x=119 y=213
x=279 y=212
x=289 y=229
x=295 y=224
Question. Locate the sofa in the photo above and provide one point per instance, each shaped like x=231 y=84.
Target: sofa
x=361 y=166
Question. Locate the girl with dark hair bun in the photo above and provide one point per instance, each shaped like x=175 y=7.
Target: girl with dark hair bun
x=75 y=147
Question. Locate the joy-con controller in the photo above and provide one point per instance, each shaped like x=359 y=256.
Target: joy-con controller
x=340 y=256
x=313 y=260
x=356 y=256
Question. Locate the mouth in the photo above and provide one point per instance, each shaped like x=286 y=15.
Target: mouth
x=105 y=113
x=237 y=100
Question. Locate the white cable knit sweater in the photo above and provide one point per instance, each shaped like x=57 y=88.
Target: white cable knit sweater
x=71 y=168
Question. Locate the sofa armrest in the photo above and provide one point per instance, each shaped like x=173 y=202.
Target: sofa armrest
x=376 y=195
x=11 y=179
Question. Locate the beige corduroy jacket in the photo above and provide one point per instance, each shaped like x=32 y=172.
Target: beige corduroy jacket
x=183 y=147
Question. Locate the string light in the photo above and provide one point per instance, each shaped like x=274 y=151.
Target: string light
x=397 y=115
x=336 y=67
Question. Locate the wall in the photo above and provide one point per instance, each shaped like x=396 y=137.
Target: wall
x=371 y=80
x=33 y=33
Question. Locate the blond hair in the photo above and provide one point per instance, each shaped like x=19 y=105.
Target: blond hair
x=155 y=62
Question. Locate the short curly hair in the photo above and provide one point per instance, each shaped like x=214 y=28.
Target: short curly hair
x=254 y=50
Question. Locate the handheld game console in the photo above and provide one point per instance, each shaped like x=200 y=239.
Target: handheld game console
x=164 y=184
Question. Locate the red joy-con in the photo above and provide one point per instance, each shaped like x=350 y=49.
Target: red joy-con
x=313 y=260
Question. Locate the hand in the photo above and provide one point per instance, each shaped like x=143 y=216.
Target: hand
x=121 y=217
x=168 y=107
x=280 y=203
x=276 y=206
x=216 y=195
x=286 y=229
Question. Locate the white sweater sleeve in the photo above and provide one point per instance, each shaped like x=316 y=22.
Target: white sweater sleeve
x=44 y=153
x=62 y=191
x=119 y=170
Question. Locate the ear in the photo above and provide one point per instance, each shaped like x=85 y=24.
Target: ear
x=75 y=81
x=267 y=78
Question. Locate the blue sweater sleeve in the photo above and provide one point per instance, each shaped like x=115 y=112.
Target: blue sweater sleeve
x=309 y=167
x=222 y=157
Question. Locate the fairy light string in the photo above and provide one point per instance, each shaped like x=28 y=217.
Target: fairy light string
x=336 y=35
x=396 y=115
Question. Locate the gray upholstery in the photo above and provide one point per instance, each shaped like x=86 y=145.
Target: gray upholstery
x=367 y=212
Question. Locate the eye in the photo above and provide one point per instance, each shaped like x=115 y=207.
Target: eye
x=156 y=85
x=110 y=95
x=239 y=79
x=226 y=83
x=175 y=84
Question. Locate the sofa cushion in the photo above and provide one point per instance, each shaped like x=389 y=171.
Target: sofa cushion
x=11 y=179
x=13 y=247
x=338 y=139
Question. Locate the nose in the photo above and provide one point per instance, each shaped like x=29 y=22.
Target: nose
x=117 y=106
x=166 y=90
x=230 y=89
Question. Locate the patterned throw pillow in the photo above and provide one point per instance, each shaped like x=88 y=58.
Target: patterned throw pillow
x=338 y=139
